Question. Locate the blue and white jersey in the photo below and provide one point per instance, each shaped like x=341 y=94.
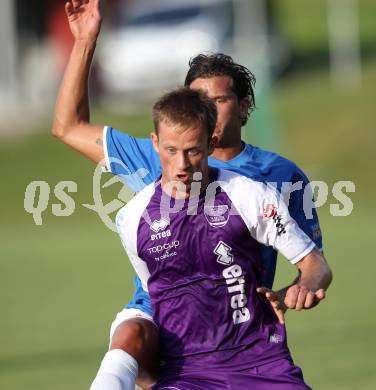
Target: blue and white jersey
x=137 y=163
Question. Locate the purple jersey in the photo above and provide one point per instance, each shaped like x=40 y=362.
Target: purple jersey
x=200 y=261
x=279 y=374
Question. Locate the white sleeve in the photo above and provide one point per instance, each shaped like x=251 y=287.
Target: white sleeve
x=267 y=217
x=275 y=227
x=127 y=222
x=107 y=166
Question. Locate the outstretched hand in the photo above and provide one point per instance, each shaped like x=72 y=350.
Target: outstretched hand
x=295 y=297
x=84 y=18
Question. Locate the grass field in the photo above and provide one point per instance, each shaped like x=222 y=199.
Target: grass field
x=62 y=283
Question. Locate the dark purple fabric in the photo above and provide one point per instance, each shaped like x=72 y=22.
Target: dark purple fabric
x=281 y=374
x=194 y=303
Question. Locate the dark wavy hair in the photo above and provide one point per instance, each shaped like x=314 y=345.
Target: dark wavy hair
x=185 y=107
x=218 y=64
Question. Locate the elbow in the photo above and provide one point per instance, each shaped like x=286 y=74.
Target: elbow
x=58 y=131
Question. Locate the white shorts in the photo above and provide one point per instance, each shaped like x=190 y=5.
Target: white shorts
x=128 y=314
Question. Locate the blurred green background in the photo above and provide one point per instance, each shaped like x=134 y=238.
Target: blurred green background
x=62 y=282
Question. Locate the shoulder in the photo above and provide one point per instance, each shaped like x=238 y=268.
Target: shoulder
x=235 y=183
x=273 y=162
x=114 y=134
x=131 y=213
x=248 y=197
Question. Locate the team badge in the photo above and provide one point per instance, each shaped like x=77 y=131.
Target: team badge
x=217 y=216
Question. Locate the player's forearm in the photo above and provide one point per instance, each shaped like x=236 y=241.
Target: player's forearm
x=315 y=273
x=308 y=289
x=72 y=105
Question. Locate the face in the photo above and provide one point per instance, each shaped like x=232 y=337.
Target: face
x=231 y=112
x=182 y=153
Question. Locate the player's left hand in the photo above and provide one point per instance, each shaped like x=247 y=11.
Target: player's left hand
x=300 y=297
x=276 y=299
x=295 y=297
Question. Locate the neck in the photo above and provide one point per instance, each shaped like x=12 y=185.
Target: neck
x=228 y=153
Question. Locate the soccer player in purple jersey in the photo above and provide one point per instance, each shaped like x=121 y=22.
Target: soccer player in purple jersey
x=216 y=331
x=232 y=92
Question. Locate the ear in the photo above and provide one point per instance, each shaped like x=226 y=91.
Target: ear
x=212 y=144
x=154 y=141
x=243 y=108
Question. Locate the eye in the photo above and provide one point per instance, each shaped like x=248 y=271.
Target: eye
x=194 y=152
x=171 y=150
x=220 y=99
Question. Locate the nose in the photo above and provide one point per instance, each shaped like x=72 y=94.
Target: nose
x=182 y=161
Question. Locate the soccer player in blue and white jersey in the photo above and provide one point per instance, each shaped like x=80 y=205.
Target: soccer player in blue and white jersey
x=216 y=331
x=231 y=87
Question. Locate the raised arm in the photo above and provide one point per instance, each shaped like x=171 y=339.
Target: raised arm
x=71 y=123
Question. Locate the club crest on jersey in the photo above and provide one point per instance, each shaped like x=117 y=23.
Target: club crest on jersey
x=159 y=225
x=217 y=216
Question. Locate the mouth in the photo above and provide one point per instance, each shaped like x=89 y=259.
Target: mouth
x=184 y=178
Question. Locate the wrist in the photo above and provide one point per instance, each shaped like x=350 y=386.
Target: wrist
x=312 y=285
x=85 y=42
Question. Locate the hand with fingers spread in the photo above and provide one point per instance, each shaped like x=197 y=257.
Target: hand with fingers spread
x=84 y=18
